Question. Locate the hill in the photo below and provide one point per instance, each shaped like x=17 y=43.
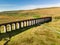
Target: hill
x=46 y=34
x=23 y=14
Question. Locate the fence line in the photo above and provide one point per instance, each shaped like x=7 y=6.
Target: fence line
x=21 y=24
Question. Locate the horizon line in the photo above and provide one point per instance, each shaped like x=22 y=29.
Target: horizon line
x=27 y=9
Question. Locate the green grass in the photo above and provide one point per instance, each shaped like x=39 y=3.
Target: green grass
x=40 y=35
x=46 y=34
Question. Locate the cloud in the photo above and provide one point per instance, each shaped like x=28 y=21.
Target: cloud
x=39 y=6
x=27 y=7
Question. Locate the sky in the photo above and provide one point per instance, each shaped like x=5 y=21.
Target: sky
x=8 y=5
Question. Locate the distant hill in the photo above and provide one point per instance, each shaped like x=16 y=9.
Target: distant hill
x=53 y=11
x=28 y=14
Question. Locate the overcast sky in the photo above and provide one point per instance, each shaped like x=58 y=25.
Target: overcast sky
x=6 y=5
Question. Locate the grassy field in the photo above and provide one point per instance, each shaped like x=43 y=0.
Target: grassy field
x=45 y=34
x=22 y=15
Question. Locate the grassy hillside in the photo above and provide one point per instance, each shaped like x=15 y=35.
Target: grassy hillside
x=21 y=15
x=46 y=34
